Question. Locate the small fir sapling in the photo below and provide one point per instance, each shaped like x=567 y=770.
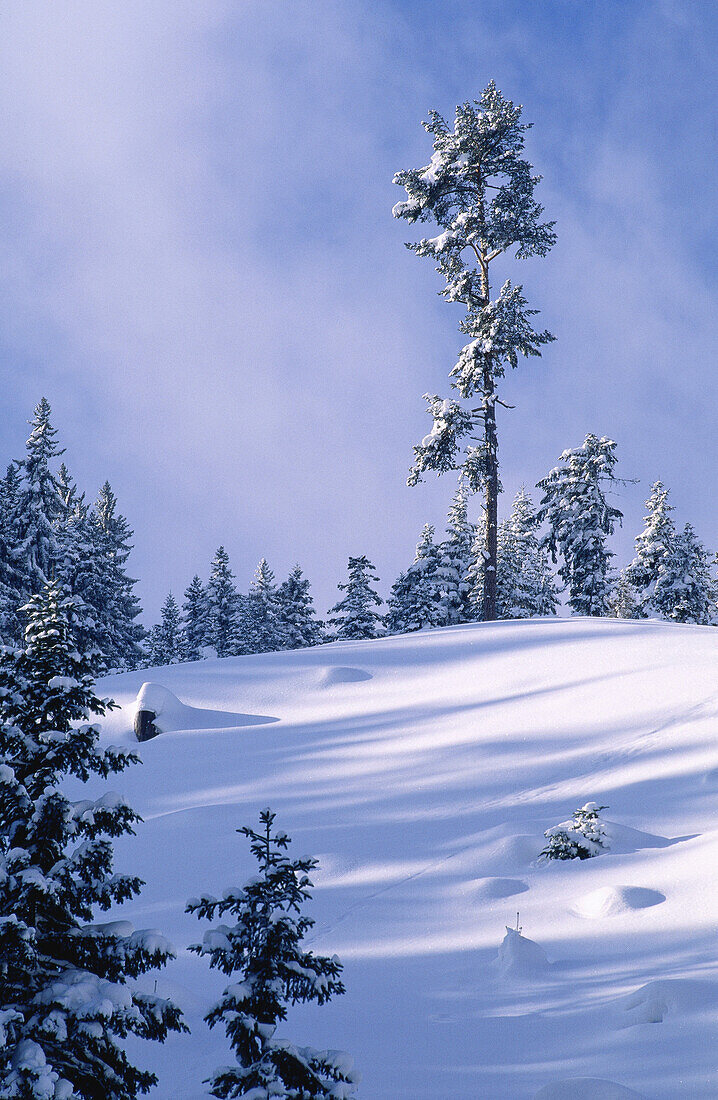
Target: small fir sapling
x=478 y=191
x=583 y=837
x=270 y=970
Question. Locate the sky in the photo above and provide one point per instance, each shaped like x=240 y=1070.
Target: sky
x=202 y=275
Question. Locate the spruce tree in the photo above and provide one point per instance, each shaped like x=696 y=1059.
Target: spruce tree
x=271 y=969
x=416 y=595
x=67 y=996
x=115 y=601
x=166 y=636
x=479 y=191
x=297 y=621
x=579 y=520
x=223 y=605
x=354 y=615
x=525 y=585
x=671 y=572
x=455 y=557
x=13 y=579
x=81 y=568
x=265 y=610
x=654 y=547
x=623 y=602
x=195 y=620
x=40 y=504
x=696 y=587
x=583 y=837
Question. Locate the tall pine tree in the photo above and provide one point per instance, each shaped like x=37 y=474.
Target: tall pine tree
x=67 y=995
x=479 y=191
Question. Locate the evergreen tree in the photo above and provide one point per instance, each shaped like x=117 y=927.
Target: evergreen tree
x=40 y=504
x=476 y=573
x=671 y=571
x=114 y=599
x=67 y=1000
x=166 y=636
x=416 y=595
x=195 y=621
x=623 y=602
x=265 y=608
x=479 y=190
x=654 y=548
x=398 y=619
x=354 y=616
x=13 y=578
x=579 y=520
x=696 y=588
x=525 y=585
x=297 y=622
x=263 y=952
x=455 y=559
x=223 y=606
x=583 y=837
x=70 y=496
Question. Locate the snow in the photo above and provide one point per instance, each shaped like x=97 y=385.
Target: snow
x=425 y=789
x=171 y=714
x=608 y=901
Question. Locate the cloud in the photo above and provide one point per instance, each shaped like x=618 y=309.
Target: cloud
x=201 y=269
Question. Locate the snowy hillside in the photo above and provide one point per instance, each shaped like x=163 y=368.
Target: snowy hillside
x=423 y=770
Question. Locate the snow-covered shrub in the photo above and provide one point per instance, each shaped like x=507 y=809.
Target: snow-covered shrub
x=582 y=837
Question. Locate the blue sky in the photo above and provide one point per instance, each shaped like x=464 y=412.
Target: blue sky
x=202 y=274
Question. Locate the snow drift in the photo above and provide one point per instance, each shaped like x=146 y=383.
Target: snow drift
x=424 y=789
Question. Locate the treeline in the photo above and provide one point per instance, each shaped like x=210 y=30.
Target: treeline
x=671 y=577
x=559 y=545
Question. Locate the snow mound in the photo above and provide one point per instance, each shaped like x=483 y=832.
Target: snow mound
x=610 y=901
x=653 y=1002
x=624 y=840
x=338 y=674
x=520 y=957
x=486 y=889
x=172 y=715
x=512 y=853
x=586 y=1088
